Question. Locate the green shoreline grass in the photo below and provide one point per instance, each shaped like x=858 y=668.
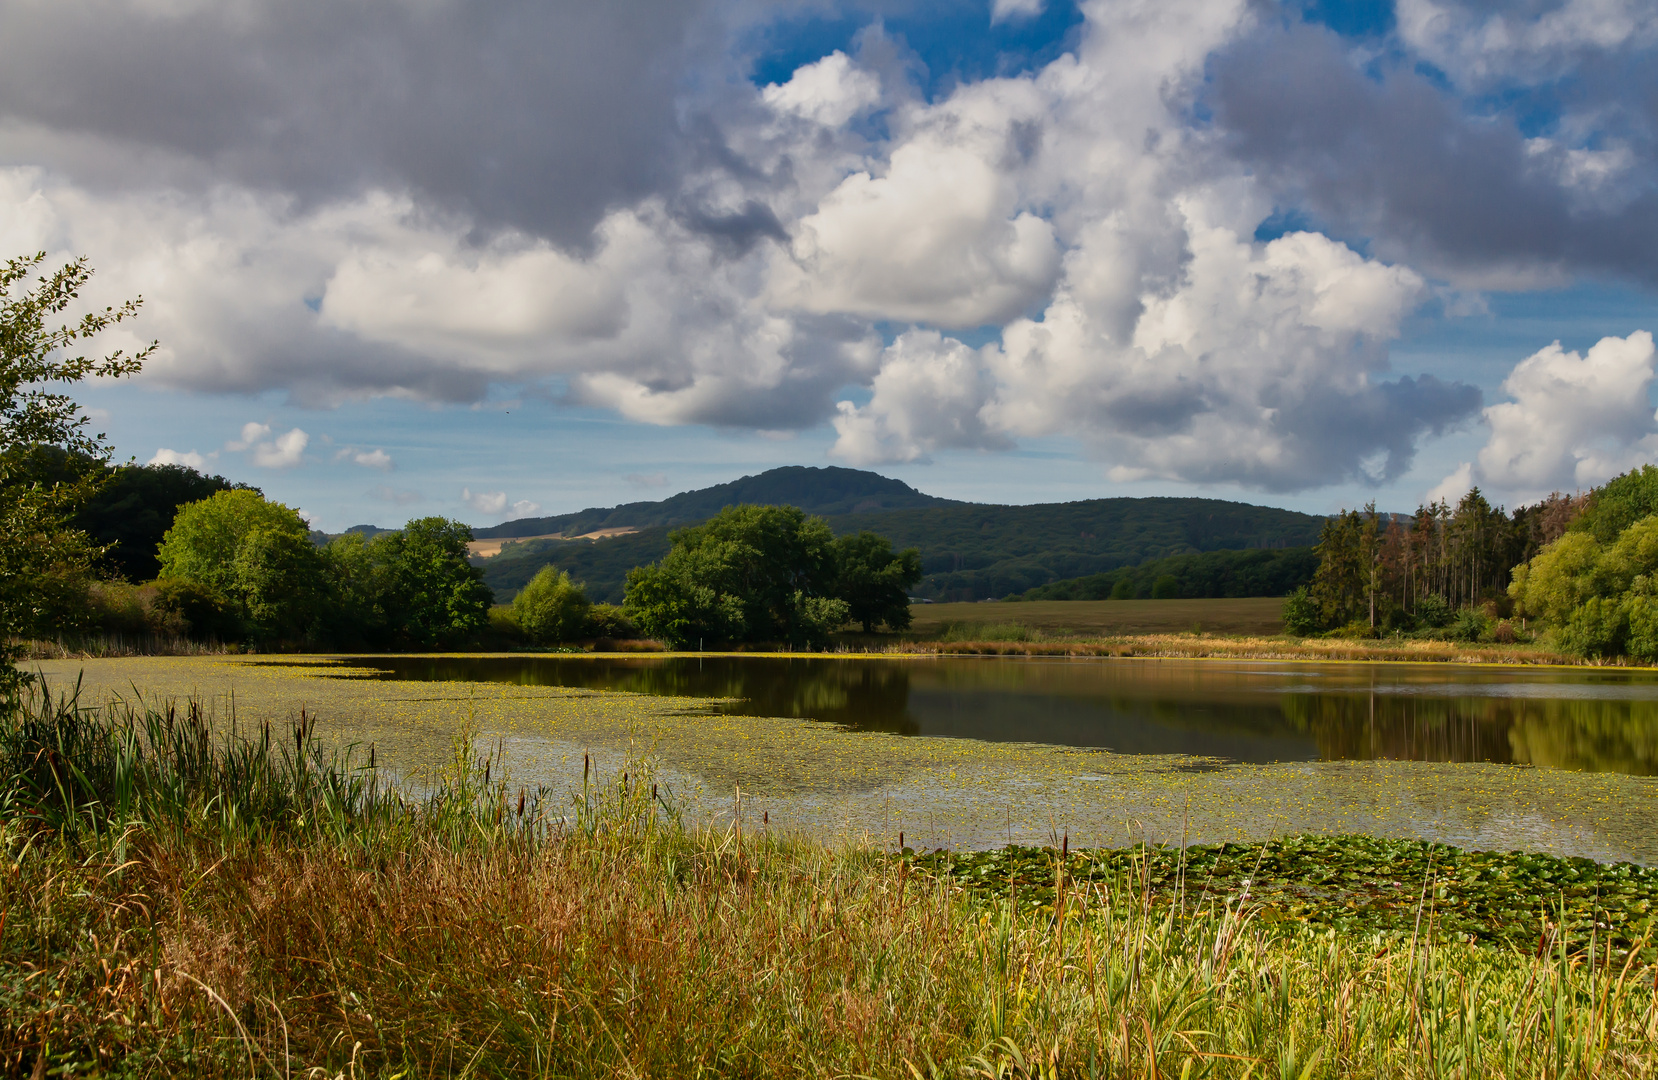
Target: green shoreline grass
x=183 y=902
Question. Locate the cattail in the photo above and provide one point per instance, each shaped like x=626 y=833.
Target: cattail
x=765 y=817
x=900 y=841
x=520 y=802
x=1065 y=847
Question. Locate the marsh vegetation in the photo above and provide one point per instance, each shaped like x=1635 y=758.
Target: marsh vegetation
x=181 y=901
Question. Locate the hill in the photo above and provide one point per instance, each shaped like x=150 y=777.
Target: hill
x=1204 y=575
x=828 y=492
x=969 y=551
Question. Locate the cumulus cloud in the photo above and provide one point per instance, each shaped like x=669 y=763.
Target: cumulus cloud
x=1575 y=421
x=928 y=396
x=829 y=91
x=368 y=459
x=587 y=222
x=1378 y=148
x=1002 y=10
x=271 y=451
x=495 y=503
x=199 y=462
x=485 y=502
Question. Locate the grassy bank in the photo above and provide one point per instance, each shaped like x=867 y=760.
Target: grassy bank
x=183 y=903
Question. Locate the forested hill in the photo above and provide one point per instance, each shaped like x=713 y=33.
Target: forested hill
x=969 y=551
x=828 y=492
x=977 y=552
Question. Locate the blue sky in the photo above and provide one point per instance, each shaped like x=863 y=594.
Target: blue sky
x=558 y=256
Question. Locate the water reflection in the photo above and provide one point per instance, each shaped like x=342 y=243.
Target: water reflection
x=1584 y=720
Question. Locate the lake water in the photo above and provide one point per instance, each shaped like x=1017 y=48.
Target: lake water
x=1594 y=720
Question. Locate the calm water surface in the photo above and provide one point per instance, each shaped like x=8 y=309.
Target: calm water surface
x=1245 y=711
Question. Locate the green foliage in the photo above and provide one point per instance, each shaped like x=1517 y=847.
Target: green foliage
x=255 y=555
x=1354 y=884
x=829 y=491
x=610 y=621
x=434 y=596
x=752 y=573
x=1434 y=611
x=1470 y=625
x=45 y=561
x=874 y=581
x=1594 y=587
x=1618 y=504
x=968 y=552
x=134 y=508
x=980 y=552
x=551 y=608
x=1209 y=574
x=1301 y=614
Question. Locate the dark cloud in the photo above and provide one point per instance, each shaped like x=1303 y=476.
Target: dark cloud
x=523 y=113
x=1394 y=157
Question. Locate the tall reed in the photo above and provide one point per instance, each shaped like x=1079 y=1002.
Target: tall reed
x=180 y=900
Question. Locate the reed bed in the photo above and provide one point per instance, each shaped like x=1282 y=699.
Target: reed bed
x=178 y=898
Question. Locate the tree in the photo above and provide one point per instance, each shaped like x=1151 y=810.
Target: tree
x=750 y=573
x=874 y=581
x=437 y=596
x=551 y=608
x=36 y=357
x=255 y=554
x=136 y=506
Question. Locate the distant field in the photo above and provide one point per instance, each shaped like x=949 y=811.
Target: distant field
x=1250 y=615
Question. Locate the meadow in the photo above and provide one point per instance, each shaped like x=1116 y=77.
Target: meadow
x=180 y=900
x=1257 y=616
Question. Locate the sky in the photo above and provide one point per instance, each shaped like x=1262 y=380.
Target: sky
x=504 y=258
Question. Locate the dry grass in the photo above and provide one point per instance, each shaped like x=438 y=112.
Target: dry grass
x=474 y=934
x=1260 y=615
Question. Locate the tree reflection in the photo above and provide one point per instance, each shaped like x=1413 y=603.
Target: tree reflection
x=1228 y=712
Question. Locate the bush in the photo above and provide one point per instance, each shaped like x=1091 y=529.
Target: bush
x=1470 y=626
x=1300 y=613
x=552 y=608
x=1433 y=612
x=610 y=621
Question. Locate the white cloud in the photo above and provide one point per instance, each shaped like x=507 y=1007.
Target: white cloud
x=928 y=396
x=829 y=91
x=1075 y=208
x=485 y=502
x=1576 y=420
x=1015 y=9
x=1451 y=489
x=281 y=452
x=495 y=502
x=193 y=460
x=369 y=459
x=1474 y=43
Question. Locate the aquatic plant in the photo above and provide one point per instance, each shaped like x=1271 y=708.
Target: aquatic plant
x=469 y=930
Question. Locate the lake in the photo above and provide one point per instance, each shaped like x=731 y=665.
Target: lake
x=1590 y=719
x=978 y=752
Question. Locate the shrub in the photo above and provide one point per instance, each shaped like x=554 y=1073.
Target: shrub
x=551 y=608
x=1470 y=625
x=1433 y=611
x=1300 y=613
x=610 y=621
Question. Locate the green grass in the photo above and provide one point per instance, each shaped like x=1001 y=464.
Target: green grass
x=184 y=903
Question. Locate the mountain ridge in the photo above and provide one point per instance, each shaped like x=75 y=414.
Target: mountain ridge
x=969 y=551
x=827 y=491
